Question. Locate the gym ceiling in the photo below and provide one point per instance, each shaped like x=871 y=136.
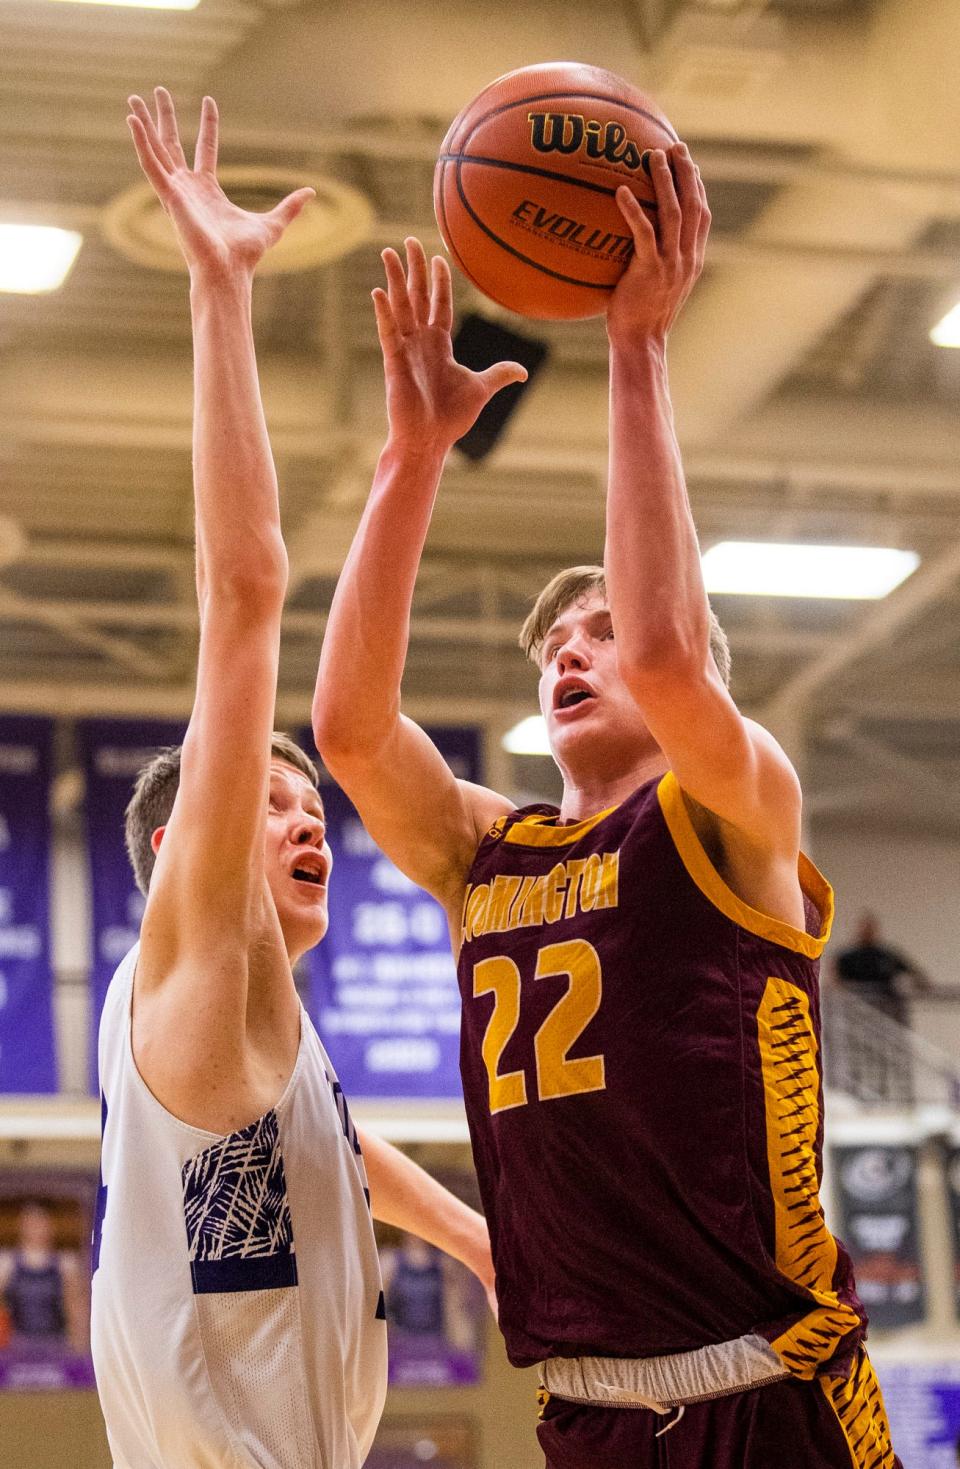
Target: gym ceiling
x=811 y=404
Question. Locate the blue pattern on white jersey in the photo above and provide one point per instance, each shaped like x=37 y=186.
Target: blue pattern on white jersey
x=239 y=1230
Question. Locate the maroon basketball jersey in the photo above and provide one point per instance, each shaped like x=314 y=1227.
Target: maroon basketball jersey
x=640 y=1056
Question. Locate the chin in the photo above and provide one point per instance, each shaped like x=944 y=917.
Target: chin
x=596 y=746
x=315 y=927
x=302 y=932
x=576 y=736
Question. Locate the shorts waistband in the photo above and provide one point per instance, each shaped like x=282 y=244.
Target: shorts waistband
x=663 y=1383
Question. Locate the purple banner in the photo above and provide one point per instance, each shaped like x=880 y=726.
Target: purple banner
x=45 y=1221
x=923 y=1405
x=384 y=987
x=27 y=1048
x=113 y=752
x=436 y=1309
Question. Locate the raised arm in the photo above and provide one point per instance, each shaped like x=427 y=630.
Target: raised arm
x=727 y=764
x=207 y=892
x=422 y=817
x=402 y=1194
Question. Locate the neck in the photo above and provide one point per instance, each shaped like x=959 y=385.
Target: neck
x=586 y=793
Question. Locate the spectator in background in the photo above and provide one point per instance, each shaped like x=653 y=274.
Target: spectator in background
x=875 y=972
x=427 y=1297
x=875 y=1066
x=40 y=1286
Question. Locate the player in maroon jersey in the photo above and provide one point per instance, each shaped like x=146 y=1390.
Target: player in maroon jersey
x=638 y=970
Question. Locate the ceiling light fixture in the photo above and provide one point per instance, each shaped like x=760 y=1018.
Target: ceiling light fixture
x=145 y=4
x=771 y=569
x=946 y=333
x=528 y=737
x=36 y=257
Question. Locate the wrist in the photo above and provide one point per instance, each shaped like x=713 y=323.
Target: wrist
x=646 y=347
x=472 y=1245
x=638 y=371
x=427 y=449
x=226 y=279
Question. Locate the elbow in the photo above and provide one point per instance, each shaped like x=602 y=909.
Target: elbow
x=251 y=586
x=331 y=719
x=331 y=733
x=343 y=734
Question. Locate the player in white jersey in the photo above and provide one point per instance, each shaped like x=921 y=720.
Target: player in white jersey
x=237 y=1310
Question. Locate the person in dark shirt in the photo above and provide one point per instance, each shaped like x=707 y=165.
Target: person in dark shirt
x=874 y=971
x=40 y=1286
x=875 y=1066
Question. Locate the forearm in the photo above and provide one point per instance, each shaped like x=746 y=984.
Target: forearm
x=652 y=558
x=367 y=633
x=237 y=506
x=402 y=1194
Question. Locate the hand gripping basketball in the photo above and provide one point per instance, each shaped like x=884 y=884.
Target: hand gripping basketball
x=214 y=235
x=668 y=258
x=525 y=184
x=432 y=400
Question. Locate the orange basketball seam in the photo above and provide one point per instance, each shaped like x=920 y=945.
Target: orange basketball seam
x=543 y=173
x=441 y=205
x=570 y=280
x=479 y=205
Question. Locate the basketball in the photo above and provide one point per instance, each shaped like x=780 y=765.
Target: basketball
x=525 y=185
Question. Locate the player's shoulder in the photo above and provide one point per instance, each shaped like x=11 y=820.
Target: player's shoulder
x=541 y=823
x=768 y=750
x=489 y=811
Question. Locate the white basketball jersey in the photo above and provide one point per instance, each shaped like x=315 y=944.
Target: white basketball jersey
x=237 y=1307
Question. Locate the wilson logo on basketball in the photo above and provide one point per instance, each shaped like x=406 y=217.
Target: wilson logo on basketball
x=569 y=132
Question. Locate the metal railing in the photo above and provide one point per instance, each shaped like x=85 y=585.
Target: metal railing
x=880 y=1061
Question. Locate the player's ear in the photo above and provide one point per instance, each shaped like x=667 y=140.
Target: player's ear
x=156 y=839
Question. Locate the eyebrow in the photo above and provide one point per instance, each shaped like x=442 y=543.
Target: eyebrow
x=593 y=615
x=290 y=780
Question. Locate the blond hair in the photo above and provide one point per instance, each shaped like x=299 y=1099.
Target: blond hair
x=577 y=582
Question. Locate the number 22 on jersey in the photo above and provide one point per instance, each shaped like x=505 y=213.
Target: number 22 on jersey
x=557 y=1076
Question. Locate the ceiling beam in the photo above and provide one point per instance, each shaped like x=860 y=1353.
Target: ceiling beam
x=88 y=699
x=490 y=629
x=924 y=778
x=878 y=626
x=53 y=615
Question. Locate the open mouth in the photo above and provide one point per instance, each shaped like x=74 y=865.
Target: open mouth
x=569 y=694
x=309 y=875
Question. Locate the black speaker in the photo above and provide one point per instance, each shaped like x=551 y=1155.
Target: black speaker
x=479 y=343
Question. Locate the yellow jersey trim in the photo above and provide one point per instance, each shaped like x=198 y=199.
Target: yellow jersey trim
x=542 y=831
x=858 y=1404
x=690 y=850
x=805 y=1250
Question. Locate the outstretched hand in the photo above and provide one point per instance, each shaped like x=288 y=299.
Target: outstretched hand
x=668 y=259
x=215 y=235
x=432 y=400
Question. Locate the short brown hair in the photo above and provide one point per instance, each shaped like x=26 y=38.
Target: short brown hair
x=568 y=587
x=156 y=789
